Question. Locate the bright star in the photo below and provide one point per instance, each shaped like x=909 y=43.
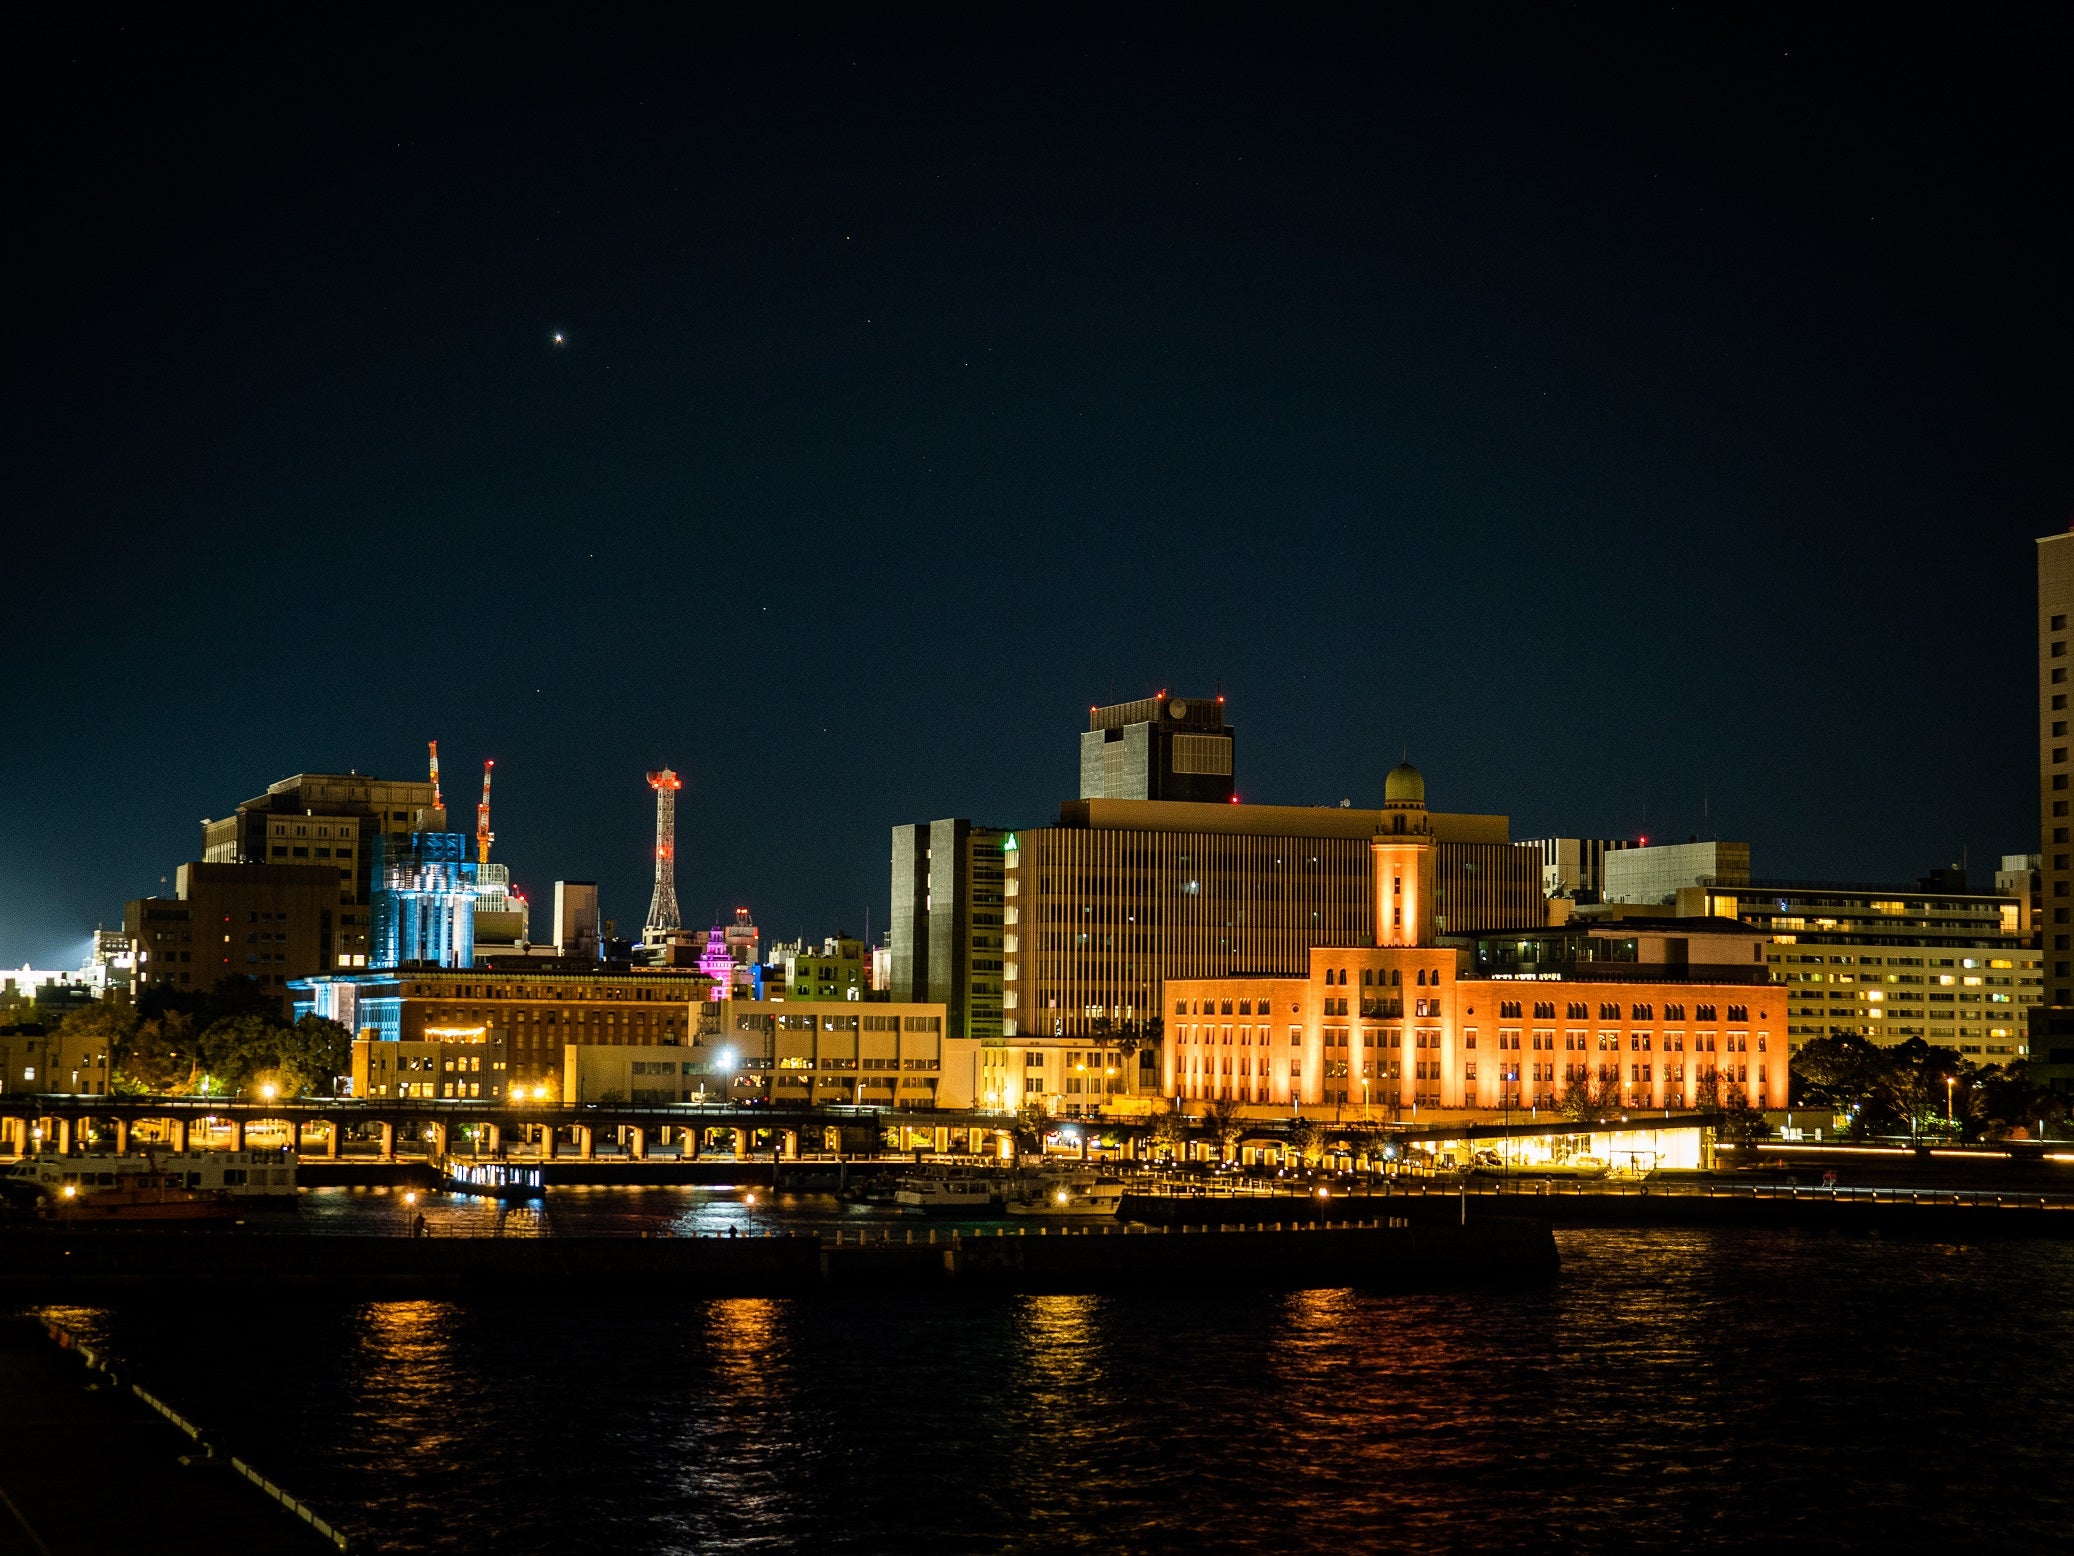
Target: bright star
x=559 y=339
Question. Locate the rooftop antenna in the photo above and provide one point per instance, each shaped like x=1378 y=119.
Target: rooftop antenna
x=437 y=802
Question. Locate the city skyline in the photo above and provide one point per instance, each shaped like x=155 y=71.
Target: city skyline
x=1714 y=426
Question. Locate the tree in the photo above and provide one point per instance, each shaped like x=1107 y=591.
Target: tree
x=1224 y=1123
x=1842 y=1072
x=245 y=1053
x=110 y=1021
x=1742 y=1124
x=1303 y=1138
x=1591 y=1102
x=1032 y=1124
x=323 y=1052
x=161 y=1056
x=1169 y=1127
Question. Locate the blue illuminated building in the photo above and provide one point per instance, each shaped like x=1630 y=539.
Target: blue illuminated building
x=424 y=900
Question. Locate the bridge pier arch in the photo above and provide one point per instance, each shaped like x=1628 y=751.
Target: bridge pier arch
x=237 y=1134
x=436 y=1131
x=62 y=1133
x=176 y=1133
x=122 y=1136
x=331 y=1129
x=586 y=1149
x=387 y=1128
x=741 y=1144
x=637 y=1142
x=493 y=1139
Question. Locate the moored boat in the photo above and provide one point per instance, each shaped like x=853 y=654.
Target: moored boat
x=246 y=1180
x=949 y=1194
x=1069 y=1195
x=492 y=1179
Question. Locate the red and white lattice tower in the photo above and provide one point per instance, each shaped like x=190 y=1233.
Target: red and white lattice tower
x=662 y=908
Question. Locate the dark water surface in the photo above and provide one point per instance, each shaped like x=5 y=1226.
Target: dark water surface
x=1686 y=1389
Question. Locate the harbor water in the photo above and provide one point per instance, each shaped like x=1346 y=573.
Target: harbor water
x=1688 y=1388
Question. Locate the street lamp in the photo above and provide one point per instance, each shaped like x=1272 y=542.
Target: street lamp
x=1949 y=1082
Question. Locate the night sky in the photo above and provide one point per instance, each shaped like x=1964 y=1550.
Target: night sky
x=1642 y=418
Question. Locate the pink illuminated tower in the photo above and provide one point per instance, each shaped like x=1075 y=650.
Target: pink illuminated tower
x=717 y=964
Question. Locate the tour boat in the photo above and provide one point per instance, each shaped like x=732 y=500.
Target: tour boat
x=246 y=1180
x=1076 y=1194
x=949 y=1195
x=490 y=1178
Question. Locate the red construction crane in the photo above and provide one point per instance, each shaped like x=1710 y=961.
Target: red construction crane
x=483 y=835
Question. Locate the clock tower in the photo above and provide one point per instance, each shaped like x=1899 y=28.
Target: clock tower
x=1403 y=856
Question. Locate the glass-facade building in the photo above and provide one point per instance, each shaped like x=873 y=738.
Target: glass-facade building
x=424 y=900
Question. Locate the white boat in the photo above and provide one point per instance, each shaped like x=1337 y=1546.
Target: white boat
x=245 y=1178
x=950 y=1195
x=1071 y=1195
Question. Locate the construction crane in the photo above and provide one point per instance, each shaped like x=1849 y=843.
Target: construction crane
x=437 y=802
x=483 y=835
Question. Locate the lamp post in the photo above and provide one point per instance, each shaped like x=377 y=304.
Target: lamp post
x=1949 y=1082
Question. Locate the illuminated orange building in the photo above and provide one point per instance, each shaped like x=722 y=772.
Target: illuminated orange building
x=1660 y=1012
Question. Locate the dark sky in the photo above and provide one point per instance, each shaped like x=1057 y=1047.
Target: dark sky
x=1630 y=413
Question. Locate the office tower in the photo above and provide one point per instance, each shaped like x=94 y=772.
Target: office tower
x=330 y=819
x=947 y=911
x=1121 y=895
x=266 y=923
x=1158 y=748
x=424 y=900
x=1654 y=875
x=1574 y=867
x=576 y=920
x=2052 y=1048
x=1933 y=960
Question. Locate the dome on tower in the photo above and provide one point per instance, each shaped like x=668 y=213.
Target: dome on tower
x=1406 y=785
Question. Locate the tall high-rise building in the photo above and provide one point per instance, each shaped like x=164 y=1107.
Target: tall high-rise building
x=424 y=900
x=1121 y=895
x=947 y=907
x=2052 y=1032
x=1158 y=748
